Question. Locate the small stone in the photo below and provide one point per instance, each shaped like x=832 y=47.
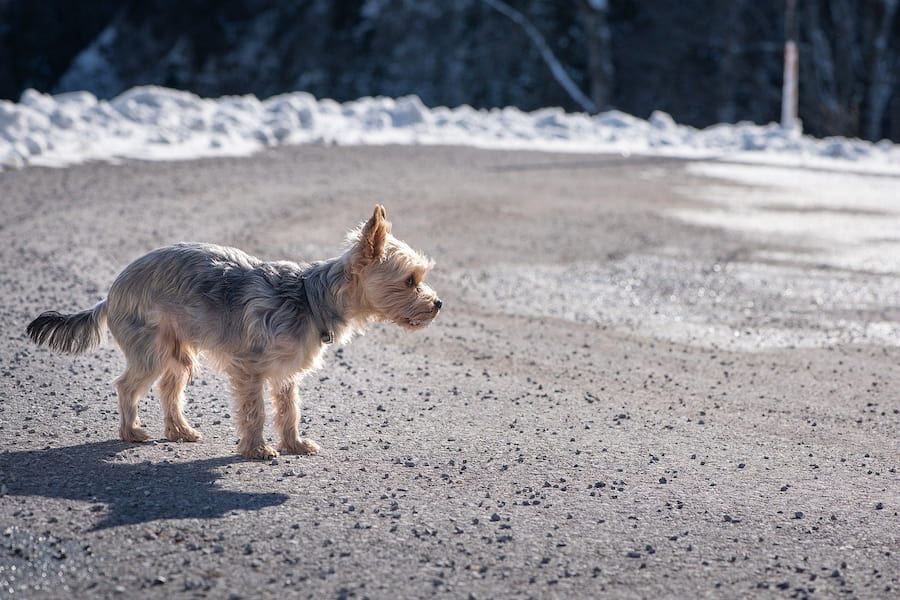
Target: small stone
x=798 y=515
x=633 y=555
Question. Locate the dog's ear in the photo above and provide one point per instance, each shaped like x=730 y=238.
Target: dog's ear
x=374 y=234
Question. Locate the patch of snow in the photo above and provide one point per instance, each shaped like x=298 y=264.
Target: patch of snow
x=834 y=219
x=156 y=123
x=736 y=306
x=827 y=274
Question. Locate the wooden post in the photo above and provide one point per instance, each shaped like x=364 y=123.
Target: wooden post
x=789 y=89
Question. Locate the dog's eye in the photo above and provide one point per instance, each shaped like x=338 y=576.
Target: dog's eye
x=411 y=281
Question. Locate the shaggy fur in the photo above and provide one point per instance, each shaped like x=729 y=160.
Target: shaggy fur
x=263 y=323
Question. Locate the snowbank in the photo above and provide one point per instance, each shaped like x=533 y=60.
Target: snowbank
x=154 y=123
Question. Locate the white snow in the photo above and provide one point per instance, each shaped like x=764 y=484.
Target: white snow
x=154 y=123
x=839 y=220
x=742 y=305
x=827 y=271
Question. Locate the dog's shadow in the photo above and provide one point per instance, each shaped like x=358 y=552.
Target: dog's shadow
x=128 y=493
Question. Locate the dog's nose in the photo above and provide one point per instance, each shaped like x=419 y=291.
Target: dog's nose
x=437 y=305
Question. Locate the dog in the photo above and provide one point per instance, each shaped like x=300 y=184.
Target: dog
x=261 y=322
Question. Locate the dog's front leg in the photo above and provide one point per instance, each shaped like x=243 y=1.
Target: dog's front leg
x=287 y=419
x=250 y=413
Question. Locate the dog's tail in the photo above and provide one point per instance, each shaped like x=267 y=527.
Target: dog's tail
x=74 y=334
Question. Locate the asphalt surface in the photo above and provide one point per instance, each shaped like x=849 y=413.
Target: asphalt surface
x=614 y=402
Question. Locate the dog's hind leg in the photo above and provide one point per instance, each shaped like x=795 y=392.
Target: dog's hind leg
x=250 y=413
x=287 y=418
x=143 y=364
x=179 y=360
x=131 y=386
x=171 y=394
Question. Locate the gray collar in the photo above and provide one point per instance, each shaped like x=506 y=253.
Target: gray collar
x=326 y=333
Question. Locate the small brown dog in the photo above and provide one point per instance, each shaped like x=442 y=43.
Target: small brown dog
x=261 y=322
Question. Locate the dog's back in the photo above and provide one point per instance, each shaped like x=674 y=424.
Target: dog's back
x=209 y=297
x=182 y=274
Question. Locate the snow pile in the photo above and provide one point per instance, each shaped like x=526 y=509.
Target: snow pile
x=156 y=123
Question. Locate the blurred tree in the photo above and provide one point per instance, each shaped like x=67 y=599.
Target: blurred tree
x=556 y=68
x=39 y=39
x=883 y=71
x=848 y=74
x=703 y=62
x=601 y=71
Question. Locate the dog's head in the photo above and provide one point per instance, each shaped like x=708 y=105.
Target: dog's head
x=390 y=276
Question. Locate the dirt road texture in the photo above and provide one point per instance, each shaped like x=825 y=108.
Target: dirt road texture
x=649 y=380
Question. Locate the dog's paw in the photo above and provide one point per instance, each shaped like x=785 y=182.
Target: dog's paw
x=183 y=434
x=259 y=452
x=300 y=446
x=133 y=434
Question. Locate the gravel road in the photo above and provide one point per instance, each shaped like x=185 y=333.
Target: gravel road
x=618 y=400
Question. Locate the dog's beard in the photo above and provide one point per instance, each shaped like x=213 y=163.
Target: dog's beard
x=419 y=323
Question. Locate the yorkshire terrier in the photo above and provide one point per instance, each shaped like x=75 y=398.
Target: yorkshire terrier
x=261 y=322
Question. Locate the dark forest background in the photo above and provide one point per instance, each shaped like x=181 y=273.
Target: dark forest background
x=701 y=61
